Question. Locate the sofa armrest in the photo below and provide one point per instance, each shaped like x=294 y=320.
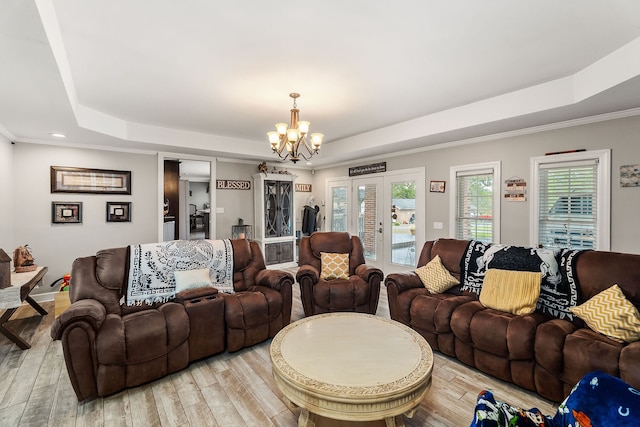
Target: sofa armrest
x=307 y=273
x=403 y=281
x=368 y=273
x=274 y=279
x=87 y=310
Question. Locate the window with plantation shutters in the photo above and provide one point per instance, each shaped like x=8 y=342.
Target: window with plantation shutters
x=571 y=201
x=475 y=204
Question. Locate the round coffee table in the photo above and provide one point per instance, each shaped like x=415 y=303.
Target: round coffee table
x=351 y=366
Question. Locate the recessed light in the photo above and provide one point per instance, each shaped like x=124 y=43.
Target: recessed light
x=309 y=163
x=58 y=135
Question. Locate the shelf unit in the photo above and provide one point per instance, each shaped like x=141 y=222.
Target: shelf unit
x=275 y=218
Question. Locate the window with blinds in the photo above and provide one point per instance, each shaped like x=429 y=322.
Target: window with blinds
x=568 y=200
x=475 y=205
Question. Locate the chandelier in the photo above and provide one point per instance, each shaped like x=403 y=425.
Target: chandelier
x=290 y=141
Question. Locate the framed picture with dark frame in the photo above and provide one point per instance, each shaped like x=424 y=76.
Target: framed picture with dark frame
x=118 y=211
x=94 y=181
x=66 y=212
x=437 y=186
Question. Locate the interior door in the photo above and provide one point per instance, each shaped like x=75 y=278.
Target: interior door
x=368 y=216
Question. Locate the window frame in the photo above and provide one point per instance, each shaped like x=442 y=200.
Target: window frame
x=497 y=189
x=603 y=189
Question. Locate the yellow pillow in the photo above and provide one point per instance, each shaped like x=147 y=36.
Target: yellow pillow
x=514 y=292
x=435 y=277
x=334 y=266
x=611 y=314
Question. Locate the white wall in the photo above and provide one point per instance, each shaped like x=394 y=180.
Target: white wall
x=6 y=196
x=621 y=135
x=57 y=245
x=240 y=204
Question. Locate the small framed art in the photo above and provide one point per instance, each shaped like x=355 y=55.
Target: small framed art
x=66 y=212
x=118 y=211
x=437 y=186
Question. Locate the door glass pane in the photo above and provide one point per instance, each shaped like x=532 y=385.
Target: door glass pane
x=403 y=220
x=367 y=219
x=339 y=209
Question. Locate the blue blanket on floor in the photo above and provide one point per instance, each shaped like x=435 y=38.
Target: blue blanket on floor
x=598 y=400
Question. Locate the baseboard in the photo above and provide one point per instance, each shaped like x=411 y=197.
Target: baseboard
x=44 y=296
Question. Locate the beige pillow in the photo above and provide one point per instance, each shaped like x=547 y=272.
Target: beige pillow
x=334 y=266
x=514 y=292
x=190 y=279
x=435 y=277
x=610 y=313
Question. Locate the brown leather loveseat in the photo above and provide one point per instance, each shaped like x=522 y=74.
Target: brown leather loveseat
x=537 y=351
x=109 y=346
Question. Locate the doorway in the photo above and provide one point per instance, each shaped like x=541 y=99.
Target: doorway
x=387 y=213
x=193 y=185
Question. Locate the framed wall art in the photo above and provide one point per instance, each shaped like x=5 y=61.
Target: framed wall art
x=437 y=186
x=118 y=211
x=95 y=181
x=66 y=212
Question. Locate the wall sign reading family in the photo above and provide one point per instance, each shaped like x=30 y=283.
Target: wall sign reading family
x=303 y=188
x=232 y=184
x=96 y=181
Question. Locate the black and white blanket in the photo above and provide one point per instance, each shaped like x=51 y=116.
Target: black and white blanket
x=152 y=267
x=558 y=291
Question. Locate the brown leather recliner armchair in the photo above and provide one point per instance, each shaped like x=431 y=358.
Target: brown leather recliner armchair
x=108 y=346
x=359 y=293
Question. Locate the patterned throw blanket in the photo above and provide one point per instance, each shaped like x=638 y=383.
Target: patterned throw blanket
x=558 y=291
x=151 y=278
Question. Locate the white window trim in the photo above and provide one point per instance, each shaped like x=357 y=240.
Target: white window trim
x=453 y=171
x=603 y=242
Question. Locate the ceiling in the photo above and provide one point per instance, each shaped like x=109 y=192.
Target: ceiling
x=211 y=78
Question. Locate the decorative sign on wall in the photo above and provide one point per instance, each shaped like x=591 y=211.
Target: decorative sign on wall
x=367 y=169
x=515 y=190
x=303 y=188
x=630 y=176
x=232 y=184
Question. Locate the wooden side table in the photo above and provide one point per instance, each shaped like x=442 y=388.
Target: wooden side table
x=26 y=282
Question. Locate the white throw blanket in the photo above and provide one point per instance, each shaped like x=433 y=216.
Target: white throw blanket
x=152 y=266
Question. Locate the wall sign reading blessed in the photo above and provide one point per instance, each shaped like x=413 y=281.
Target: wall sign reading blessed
x=367 y=169
x=232 y=184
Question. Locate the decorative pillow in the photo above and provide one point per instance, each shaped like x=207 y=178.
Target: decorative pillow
x=190 y=279
x=334 y=266
x=514 y=292
x=435 y=277
x=610 y=313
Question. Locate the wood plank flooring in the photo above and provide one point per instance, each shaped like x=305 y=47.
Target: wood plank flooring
x=227 y=390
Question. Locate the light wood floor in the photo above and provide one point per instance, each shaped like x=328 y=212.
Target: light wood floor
x=227 y=390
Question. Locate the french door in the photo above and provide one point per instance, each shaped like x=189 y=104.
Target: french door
x=386 y=211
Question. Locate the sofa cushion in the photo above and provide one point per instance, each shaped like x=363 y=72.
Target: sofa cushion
x=334 y=266
x=435 y=277
x=514 y=292
x=611 y=314
x=191 y=279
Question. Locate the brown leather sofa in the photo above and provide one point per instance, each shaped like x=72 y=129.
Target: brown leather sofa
x=537 y=352
x=108 y=346
x=359 y=293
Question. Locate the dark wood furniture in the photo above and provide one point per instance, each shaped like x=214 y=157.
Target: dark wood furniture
x=26 y=281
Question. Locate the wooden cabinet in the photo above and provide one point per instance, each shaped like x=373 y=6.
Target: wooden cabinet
x=275 y=218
